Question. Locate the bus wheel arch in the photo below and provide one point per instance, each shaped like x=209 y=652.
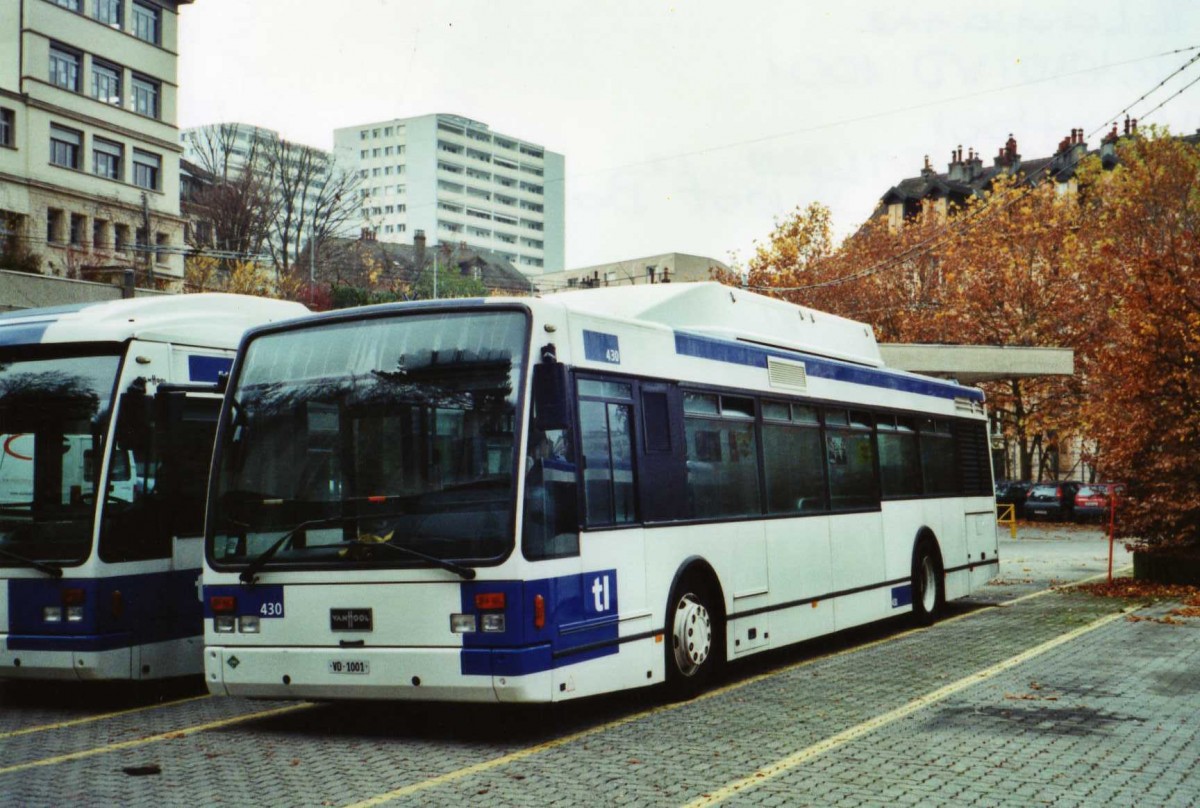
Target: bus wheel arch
x=928 y=578
x=694 y=629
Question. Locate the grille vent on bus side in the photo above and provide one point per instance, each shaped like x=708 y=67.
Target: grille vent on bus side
x=974 y=457
x=787 y=374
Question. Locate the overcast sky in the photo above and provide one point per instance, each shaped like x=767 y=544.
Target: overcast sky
x=691 y=126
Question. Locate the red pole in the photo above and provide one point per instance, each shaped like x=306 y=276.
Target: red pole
x=1112 y=518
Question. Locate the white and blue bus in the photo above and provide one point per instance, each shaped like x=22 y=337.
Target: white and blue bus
x=107 y=415
x=547 y=498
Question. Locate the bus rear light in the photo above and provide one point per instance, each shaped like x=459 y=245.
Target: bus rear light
x=52 y=614
x=489 y=600
x=462 y=623
x=118 y=603
x=492 y=622
x=72 y=596
x=222 y=604
x=224 y=623
x=539 y=611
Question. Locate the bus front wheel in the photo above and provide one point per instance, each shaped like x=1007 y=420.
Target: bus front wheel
x=694 y=648
x=928 y=583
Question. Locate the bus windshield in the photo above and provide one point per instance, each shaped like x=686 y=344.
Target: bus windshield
x=372 y=443
x=54 y=414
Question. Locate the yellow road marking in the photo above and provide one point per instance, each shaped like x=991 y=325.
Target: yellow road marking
x=76 y=721
x=853 y=733
x=163 y=736
x=521 y=754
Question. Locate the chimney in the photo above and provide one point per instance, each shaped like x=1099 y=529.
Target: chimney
x=956 y=171
x=419 y=249
x=974 y=165
x=927 y=170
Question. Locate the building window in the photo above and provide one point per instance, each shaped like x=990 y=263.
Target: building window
x=100 y=234
x=362 y=135
x=73 y=5
x=106 y=83
x=54 y=226
x=146 y=168
x=121 y=237
x=363 y=154
x=78 y=228
x=145 y=96
x=8 y=127
x=147 y=22
x=64 y=68
x=109 y=12
x=65 y=145
x=387 y=132
x=106 y=158
x=161 y=244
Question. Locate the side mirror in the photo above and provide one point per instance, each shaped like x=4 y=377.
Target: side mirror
x=551 y=394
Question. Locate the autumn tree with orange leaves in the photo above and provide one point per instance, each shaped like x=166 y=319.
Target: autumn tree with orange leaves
x=1109 y=270
x=1143 y=400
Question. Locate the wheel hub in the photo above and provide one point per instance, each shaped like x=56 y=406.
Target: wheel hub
x=692 y=635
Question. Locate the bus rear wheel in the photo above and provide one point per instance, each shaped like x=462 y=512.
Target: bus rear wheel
x=693 y=649
x=928 y=583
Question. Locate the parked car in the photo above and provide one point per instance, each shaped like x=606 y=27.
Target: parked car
x=1012 y=492
x=1054 y=500
x=1092 y=500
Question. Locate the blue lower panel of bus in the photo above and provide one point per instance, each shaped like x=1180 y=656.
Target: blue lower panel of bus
x=901 y=596
x=580 y=624
x=117 y=612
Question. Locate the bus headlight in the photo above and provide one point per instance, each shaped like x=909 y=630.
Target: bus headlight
x=74 y=614
x=493 y=622
x=248 y=624
x=462 y=623
x=224 y=623
x=52 y=614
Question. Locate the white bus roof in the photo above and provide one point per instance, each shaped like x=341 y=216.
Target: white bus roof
x=209 y=319
x=721 y=311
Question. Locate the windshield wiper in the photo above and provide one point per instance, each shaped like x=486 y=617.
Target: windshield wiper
x=446 y=564
x=40 y=566
x=250 y=574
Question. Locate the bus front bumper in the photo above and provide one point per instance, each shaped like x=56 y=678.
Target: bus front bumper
x=401 y=674
x=62 y=658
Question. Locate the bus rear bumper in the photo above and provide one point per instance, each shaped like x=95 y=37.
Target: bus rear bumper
x=401 y=674
x=61 y=664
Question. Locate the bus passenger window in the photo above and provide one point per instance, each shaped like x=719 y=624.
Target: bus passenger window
x=850 y=457
x=792 y=459
x=722 y=456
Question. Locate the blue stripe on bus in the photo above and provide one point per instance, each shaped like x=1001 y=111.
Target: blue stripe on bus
x=154 y=607
x=24 y=333
x=207 y=368
x=754 y=356
x=581 y=624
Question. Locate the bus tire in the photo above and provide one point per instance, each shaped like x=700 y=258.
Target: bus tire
x=695 y=639
x=928 y=582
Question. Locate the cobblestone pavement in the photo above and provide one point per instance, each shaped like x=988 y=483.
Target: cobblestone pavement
x=1054 y=699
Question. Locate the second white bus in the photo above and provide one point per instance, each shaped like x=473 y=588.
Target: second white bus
x=543 y=499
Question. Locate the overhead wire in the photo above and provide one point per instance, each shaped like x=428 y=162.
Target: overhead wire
x=969 y=220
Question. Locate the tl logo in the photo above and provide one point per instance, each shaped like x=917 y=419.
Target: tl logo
x=601 y=600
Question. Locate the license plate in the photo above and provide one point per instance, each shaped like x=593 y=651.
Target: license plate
x=350 y=620
x=359 y=666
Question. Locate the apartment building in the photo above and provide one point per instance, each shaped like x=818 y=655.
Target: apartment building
x=89 y=148
x=460 y=182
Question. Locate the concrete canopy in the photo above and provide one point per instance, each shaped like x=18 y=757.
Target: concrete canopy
x=970 y=364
